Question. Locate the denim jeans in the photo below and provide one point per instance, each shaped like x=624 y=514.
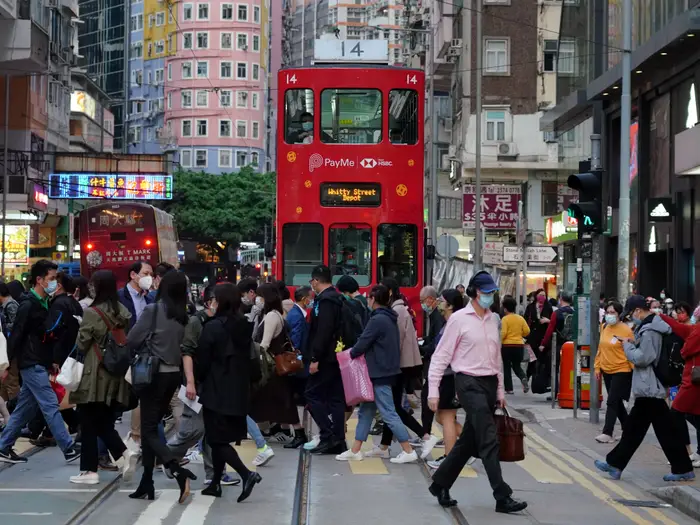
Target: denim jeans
x=36 y=394
x=384 y=401
x=255 y=433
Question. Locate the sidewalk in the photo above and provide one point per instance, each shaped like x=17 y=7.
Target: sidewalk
x=647 y=467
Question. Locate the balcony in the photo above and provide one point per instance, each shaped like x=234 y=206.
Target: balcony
x=24 y=43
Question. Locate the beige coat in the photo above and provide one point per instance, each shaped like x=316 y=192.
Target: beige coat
x=410 y=353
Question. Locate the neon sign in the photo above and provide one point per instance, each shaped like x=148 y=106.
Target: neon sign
x=110 y=186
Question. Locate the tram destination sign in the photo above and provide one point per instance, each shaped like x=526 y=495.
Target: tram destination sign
x=361 y=194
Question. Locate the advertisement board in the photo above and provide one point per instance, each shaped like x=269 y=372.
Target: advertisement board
x=499 y=206
x=16 y=244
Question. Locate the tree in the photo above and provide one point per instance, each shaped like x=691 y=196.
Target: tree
x=227 y=208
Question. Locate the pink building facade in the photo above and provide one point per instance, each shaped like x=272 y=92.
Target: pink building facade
x=217 y=85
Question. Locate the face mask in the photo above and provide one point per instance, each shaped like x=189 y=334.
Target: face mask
x=656 y=310
x=310 y=305
x=611 y=319
x=426 y=308
x=259 y=302
x=693 y=320
x=51 y=287
x=307 y=126
x=663 y=296
x=485 y=301
x=246 y=300
x=636 y=321
x=146 y=282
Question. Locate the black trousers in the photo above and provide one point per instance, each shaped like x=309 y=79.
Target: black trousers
x=478 y=395
x=681 y=421
x=97 y=421
x=326 y=398
x=618 y=387
x=406 y=418
x=155 y=401
x=645 y=412
x=512 y=359
x=426 y=415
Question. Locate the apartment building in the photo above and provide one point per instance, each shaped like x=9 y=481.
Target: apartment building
x=91 y=122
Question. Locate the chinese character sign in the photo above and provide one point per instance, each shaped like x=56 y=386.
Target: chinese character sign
x=499 y=206
x=114 y=257
x=16 y=244
x=110 y=186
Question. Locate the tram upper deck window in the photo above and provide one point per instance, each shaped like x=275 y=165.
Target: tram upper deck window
x=351 y=116
x=302 y=249
x=403 y=116
x=299 y=116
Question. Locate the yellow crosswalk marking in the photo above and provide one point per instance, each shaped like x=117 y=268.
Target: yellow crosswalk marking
x=22 y=445
x=247 y=451
x=369 y=466
x=534 y=465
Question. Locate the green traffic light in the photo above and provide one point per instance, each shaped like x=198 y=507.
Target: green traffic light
x=587 y=221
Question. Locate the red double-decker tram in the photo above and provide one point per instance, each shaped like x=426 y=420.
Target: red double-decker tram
x=350 y=175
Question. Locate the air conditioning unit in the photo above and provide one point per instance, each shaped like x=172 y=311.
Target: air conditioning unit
x=507 y=149
x=456 y=43
x=454 y=52
x=446 y=163
x=452 y=151
x=447 y=124
x=451 y=58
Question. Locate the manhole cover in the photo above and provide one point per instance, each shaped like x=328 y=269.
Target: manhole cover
x=642 y=503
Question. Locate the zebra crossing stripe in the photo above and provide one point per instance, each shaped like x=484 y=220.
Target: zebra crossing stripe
x=158 y=510
x=196 y=510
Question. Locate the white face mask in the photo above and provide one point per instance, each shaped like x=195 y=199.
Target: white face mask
x=146 y=282
x=259 y=302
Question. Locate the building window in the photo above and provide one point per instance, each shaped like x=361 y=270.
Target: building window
x=136 y=50
x=135 y=134
x=224 y=128
x=226 y=39
x=497 y=2
x=186 y=40
x=187 y=70
x=170 y=100
x=151 y=20
x=202 y=69
x=202 y=11
x=160 y=47
x=254 y=101
x=202 y=125
x=187 y=12
x=226 y=11
x=136 y=107
x=186 y=98
x=242 y=13
x=496 y=126
x=566 y=57
x=256 y=72
x=225 y=98
x=149 y=134
x=549 y=62
x=496 y=56
x=159 y=76
x=241 y=159
x=137 y=22
x=255 y=130
x=242 y=41
x=186 y=128
x=202 y=98
x=224 y=158
x=241 y=99
x=203 y=40
x=225 y=70
x=256 y=42
x=170 y=71
x=171 y=47
x=171 y=18
x=136 y=77
x=160 y=18
x=200 y=158
x=242 y=129
x=242 y=70
x=254 y=158
x=186 y=158
x=256 y=14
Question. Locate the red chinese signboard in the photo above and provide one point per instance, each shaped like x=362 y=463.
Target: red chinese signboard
x=499 y=206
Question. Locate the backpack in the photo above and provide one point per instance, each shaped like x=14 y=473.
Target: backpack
x=351 y=325
x=669 y=367
x=567 y=332
x=115 y=355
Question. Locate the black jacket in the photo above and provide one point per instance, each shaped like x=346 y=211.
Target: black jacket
x=62 y=325
x=437 y=321
x=223 y=365
x=380 y=343
x=325 y=326
x=29 y=343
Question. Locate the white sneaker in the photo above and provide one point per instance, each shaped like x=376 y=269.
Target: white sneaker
x=86 y=478
x=312 y=444
x=194 y=456
x=604 y=438
x=130 y=462
x=263 y=457
x=132 y=444
x=349 y=455
x=378 y=452
x=435 y=463
x=696 y=464
x=695 y=456
x=404 y=457
x=428 y=446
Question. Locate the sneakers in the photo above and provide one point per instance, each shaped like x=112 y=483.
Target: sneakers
x=85 y=478
x=315 y=442
x=227 y=480
x=377 y=428
x=263 y=457
x=615 y=473
x=435 y=464
x=72 y=454
x=280 y=437
x=428 y=446
x=377 y=452
x=604 y=438
x=349 y=455
x=688 y=476
x=9 y=456
x=405 y=457
x=194 y=456
x=695 y=459
x=416 y=442
x=440 y=444
x=130 y=461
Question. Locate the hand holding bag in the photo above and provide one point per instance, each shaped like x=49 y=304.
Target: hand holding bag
x=357 y=384
x=145 y=364
x=71 y=373
x=289 y=360
x=511 y=437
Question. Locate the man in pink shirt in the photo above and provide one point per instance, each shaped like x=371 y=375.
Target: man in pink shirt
x=470 y=345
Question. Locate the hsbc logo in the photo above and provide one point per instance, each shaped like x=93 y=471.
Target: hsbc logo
x=373 y=163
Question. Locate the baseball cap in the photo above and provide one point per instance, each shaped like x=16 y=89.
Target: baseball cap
x=483 y=282
x=633 y=302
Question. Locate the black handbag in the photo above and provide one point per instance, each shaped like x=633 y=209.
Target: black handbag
x=145 y=365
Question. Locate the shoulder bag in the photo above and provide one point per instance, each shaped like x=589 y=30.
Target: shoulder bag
x=145 y=365
x=115 y=355
x=288 y=361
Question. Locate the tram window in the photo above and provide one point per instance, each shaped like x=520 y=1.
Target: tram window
x=351 y=116
x=350 y=252
x=403 y=116
x=302 y=249
x=397 y=253
x=299 y=116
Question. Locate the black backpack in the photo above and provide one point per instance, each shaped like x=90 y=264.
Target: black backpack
x=567 y=332
x=669 y=367
x=351 y=324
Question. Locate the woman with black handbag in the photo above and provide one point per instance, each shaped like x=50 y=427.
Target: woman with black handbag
x=100 y=393
x=156 y=339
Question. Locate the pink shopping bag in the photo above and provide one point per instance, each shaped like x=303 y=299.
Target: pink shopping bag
x=356 y=382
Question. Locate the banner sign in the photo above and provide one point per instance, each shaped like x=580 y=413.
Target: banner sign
x=111 y=186
x=499 y=206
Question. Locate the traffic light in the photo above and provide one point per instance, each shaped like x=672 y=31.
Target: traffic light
x=588 y=211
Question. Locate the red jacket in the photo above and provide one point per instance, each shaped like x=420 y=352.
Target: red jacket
x=688 y=397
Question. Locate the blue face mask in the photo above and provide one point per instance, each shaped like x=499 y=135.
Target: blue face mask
x=426 y=308
x=485 y=301
x=693 y=320
x=51 y=287
x=636 y=321
x=307 y=126
x=610 y=319
x=311 y=305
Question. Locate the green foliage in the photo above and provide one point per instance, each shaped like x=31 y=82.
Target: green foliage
x=227 y=208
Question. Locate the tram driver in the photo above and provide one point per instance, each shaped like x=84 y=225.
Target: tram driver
x=306 y=134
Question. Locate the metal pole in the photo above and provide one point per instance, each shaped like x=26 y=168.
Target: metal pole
x=576 y=390
x=596 y=240
x=623 y=241
x=518 y=267
x=553 y=381
x=5 y=171
x=477 y=160
x=432 y=215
